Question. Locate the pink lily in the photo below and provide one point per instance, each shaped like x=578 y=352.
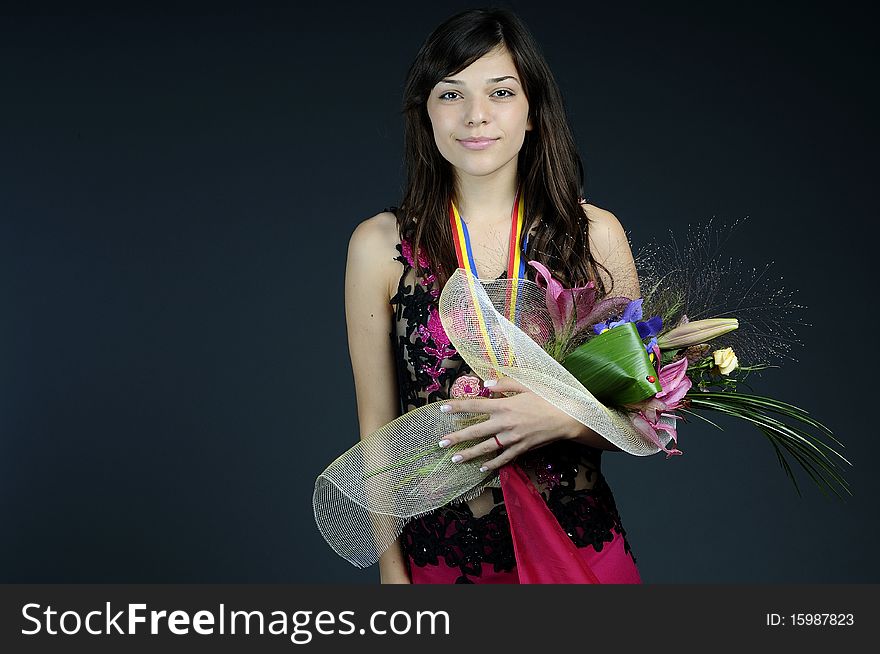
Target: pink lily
x=581 y=301
x=674 y=384
x=650 y=429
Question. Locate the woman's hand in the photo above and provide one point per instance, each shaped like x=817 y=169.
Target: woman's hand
x=521 y=422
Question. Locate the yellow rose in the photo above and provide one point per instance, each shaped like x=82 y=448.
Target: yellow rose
x=725 y=360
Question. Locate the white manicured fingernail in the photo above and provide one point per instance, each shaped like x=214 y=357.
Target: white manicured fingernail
x=445 y=408
x=456 y=458
x=443 y=443
x=490 y=382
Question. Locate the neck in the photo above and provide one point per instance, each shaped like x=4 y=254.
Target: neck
x=486 y=200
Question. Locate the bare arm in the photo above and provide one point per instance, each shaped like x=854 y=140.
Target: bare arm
x=368 y=271
x=610 y=247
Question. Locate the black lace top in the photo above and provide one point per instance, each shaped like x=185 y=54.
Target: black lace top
x=568 y=474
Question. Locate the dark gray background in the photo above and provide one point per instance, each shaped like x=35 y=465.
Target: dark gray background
x=176 y=196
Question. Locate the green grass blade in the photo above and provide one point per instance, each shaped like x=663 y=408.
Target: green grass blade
x=795 y=431
x=790 y=438
x=783 y=462
x=778 y=406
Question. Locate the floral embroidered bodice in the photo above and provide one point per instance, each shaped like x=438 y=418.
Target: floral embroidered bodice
x=568 y=474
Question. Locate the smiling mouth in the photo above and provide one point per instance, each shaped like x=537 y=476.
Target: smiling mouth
x=481 y=144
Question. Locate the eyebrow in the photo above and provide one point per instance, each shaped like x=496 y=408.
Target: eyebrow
x=491 y=80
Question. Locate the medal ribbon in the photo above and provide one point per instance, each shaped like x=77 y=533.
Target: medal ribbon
x=515 y=262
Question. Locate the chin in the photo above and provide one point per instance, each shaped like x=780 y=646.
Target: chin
x=469 y=168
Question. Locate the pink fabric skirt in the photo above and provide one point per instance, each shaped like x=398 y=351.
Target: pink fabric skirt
x=612 y=565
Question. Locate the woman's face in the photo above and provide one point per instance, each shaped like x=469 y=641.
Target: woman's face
x=485 y=100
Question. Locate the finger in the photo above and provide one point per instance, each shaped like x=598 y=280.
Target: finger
x=507 y=385
x=502 y=458
x=468 y=405
x=507 y=455
x=472 y=432
x=488 y=446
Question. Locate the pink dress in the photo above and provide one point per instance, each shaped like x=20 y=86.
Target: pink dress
x=471 y=542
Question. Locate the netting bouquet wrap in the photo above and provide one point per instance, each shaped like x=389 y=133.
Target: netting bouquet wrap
x=365 y=497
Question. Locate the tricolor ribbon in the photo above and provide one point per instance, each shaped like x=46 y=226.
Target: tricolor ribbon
x=515 y=260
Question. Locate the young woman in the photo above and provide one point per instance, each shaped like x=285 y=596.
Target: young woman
x=485 y=128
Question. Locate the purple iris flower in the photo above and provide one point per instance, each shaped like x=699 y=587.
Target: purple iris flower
x=633 y=313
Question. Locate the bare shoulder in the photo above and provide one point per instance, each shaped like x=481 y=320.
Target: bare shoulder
x=607 y=234
x=381 y=227
x=601 y=217
x=609 y=245
x=372 y=247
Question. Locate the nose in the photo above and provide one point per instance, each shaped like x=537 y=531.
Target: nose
x=478 y=111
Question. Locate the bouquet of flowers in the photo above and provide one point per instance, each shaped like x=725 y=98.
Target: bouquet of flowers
x=630 y=380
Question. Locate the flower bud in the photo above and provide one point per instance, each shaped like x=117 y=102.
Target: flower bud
x=696 y=331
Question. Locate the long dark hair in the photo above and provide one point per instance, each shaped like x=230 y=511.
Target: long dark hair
x=548 y=164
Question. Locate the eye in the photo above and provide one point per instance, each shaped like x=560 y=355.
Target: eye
x=510 y=94
x=442 y=96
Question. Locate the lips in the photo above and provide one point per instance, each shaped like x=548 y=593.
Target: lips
x=477 y=143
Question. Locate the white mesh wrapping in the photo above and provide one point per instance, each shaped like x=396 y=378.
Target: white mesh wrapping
x=365 y=497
